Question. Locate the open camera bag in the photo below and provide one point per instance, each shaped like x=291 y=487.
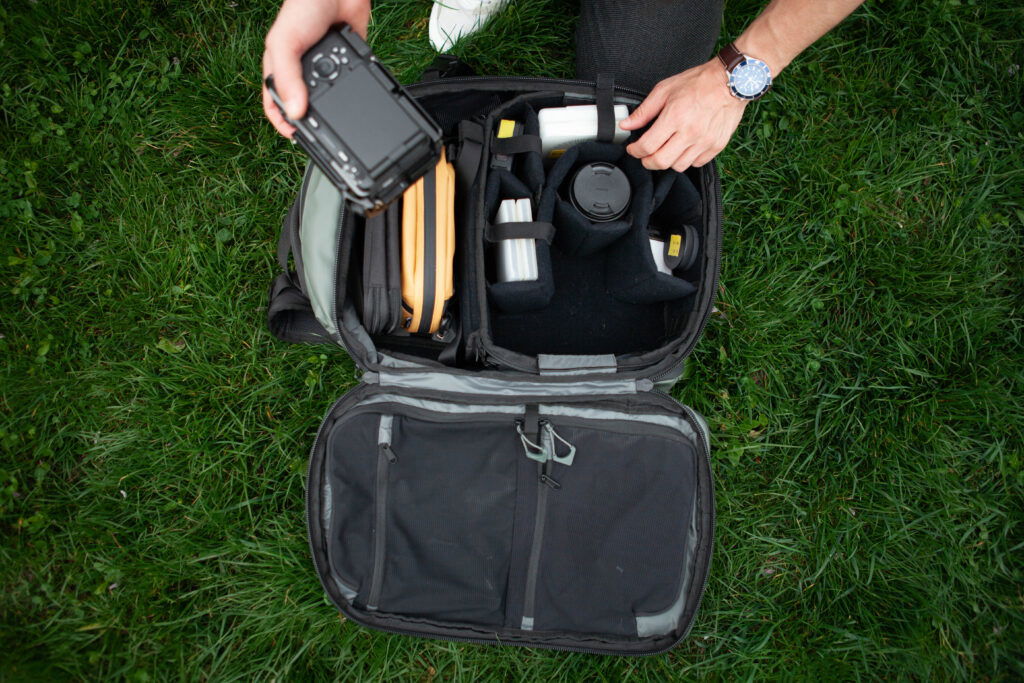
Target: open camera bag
x=526 y=478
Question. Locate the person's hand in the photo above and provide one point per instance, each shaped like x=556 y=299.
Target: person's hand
x=299 y=25
x=696 y=117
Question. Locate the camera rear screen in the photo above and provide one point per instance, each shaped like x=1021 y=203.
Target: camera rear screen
x=365 y=116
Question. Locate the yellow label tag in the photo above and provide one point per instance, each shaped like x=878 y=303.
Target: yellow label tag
x=506 y=128
x=555 y=153
x=674 y=243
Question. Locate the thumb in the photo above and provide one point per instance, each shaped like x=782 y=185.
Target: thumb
x=646 y=112
x=288 y=82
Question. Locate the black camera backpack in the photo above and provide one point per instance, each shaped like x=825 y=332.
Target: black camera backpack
x=525 y=478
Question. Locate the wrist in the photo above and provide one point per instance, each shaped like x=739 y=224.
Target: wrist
x=758 y=42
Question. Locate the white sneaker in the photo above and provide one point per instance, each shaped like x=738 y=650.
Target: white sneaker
x=453 y=19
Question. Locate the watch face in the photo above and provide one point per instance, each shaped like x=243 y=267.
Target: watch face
x=750 y=78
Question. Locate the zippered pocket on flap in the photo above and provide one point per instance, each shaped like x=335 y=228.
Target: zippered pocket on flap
x=423 y=513
x=614 y=534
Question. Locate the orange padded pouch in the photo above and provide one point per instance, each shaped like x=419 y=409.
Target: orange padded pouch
x=428 y=248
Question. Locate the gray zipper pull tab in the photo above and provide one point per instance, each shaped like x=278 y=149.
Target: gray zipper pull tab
x=552 y=435
x=533 y=451
x=385 y=448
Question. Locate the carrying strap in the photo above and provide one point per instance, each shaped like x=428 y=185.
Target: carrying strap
x=287 y=245
x=605 y=96
x=290 y=316
x=537 y=230
x=516 y=145
x=446 y=66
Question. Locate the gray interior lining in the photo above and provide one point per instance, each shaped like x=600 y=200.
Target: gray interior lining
x=350 y=319
x=319 y=228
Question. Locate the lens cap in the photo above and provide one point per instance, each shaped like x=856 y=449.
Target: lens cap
x=600 y=191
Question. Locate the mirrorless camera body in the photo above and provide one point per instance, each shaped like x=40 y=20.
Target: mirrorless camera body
x=368 y=136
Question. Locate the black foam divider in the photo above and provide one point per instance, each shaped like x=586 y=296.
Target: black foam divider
x=522 y=296
x=575 y=233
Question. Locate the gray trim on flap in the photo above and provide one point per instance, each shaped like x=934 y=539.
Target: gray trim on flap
x=667 y=621
x=319 y=245
x=349 y=593
x=440 y=407
x=677 y=423
x=557 y=364
x=468 y=384
x=325 y=519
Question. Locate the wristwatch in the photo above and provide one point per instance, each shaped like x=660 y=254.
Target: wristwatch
x=749 y=78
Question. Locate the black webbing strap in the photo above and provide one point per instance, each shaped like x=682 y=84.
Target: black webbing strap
x=516 y=145
x=471 y=149
x=450 y=353
x=287 y=244
x=537 y=230
x=605 y=95
x=290 y=316
x=446 y=66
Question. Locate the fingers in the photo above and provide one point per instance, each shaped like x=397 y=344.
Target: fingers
x=667 y=154
x=283 y=55
x=653 y=140
x=647 y=109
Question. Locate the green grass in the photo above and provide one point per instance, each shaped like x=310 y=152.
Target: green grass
x=863 y=377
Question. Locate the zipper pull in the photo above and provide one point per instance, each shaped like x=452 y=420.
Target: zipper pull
x=546 y=478
x=552 y=435
x=385 y=448
x=533 y=451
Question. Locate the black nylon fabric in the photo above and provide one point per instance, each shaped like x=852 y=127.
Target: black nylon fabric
x=644 y=41
x=637 y=492
x=457 y=526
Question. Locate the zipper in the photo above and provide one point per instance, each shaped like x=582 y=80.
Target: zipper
x=385 y=458
x=337 y=269
x=525 y=80
x=545 y=452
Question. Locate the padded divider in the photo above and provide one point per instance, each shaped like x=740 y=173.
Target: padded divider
x=633 y=276
x=632 y=273
x=526 y=295
x=576 y=234
x=527 y=166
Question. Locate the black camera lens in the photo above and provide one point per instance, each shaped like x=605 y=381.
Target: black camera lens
x=600 y=191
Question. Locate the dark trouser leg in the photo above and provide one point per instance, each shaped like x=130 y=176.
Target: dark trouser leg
x=646 y=41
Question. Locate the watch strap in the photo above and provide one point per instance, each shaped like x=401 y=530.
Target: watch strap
x=730 y=57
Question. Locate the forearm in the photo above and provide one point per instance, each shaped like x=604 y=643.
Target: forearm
x=785 y=28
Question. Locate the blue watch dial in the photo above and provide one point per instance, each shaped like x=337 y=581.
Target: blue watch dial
x=750 y=79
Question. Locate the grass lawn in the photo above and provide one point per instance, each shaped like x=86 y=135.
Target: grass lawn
x=863 y=378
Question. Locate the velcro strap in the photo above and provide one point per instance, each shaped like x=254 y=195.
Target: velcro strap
x=537 y=230
x=605 y=95
x=516 y=145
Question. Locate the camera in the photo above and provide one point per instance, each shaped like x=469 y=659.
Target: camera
x=367 y=135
